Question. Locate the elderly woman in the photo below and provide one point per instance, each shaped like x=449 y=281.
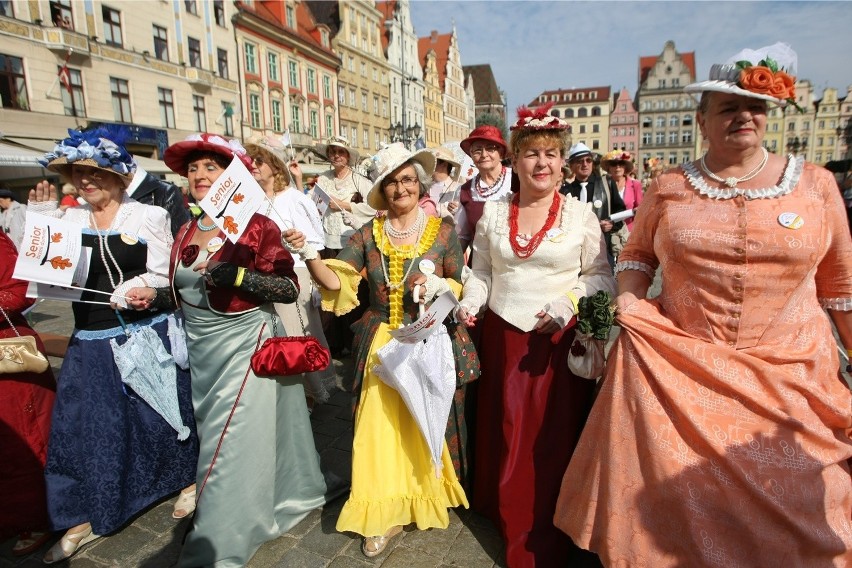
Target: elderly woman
x=721 y=435
x=487 y=149
x=619 y=165
x=255 y=432
x=534 y=255
x=393 y=479
x=93 y=488
x=445 y=187
x=290 y=208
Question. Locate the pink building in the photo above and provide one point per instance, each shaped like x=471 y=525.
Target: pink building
x=624 y=124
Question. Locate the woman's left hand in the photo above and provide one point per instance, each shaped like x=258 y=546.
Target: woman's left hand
x=606 y=225
x=545 y=324
x=217 y=273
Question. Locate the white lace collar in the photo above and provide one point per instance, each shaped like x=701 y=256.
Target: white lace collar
x=792 y=173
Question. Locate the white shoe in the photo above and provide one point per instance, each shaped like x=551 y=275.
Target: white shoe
x=69 y=544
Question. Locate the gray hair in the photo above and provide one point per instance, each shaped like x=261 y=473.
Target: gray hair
x=423 y=178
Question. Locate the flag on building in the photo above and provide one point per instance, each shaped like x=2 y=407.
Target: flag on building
x=65 y=78
x=228 y=110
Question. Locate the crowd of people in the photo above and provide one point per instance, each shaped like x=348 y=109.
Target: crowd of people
x=718 y=434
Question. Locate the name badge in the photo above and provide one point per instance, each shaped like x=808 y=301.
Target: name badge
x=129 y=239
x=426 y=266
x=214 y=244
x=555 y=235
x=790 y=221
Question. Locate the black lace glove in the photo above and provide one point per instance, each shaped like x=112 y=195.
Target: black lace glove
x=270 y=287
x=163 y=300
x=221 y=274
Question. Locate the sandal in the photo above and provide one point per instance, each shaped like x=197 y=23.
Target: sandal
x=30 y=541
x=185 y=504
x=375 y=545
x=69 y=544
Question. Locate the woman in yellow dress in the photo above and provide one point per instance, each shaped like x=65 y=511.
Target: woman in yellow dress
x=393 y=479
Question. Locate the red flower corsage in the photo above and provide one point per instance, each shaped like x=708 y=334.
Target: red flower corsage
x=189 y=254
x=577 y=350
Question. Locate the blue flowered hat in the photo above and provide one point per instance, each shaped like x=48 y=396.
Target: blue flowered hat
x=101 y=148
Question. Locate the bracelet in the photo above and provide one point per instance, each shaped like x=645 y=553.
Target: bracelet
x=575 y=302
x=155 y=294
x=241 y=272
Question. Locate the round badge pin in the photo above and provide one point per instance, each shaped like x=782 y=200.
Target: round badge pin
x=215 y=244
x=426 y=266
x=597 y=204
x=790 y=221
x=129 y=239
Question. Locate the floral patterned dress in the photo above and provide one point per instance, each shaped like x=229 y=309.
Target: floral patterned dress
x=393 y=480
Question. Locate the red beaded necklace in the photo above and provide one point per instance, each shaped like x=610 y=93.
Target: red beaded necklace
x=527 y=250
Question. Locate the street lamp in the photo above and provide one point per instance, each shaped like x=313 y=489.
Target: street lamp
x=796 y=144
x=404 y=134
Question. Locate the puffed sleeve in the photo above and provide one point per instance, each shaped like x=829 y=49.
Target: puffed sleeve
x=834 y=273
x=361 y=212
x=156 y=231
x=475 y=293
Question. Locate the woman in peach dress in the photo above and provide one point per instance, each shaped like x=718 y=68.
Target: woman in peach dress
x=721 y=435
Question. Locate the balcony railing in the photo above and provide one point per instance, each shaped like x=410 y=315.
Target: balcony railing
x=61 y=40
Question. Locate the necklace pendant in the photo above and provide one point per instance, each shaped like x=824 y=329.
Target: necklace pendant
x=731 y=182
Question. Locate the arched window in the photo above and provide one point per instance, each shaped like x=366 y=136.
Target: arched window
x=596 y=111
x=569 y=113
x=582 y=112
x=555 y=112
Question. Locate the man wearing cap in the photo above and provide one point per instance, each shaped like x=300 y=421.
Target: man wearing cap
x=589 y=187
x=445 y=189
x=13 y=217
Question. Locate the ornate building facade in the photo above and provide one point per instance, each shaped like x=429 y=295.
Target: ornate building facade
x=624 y=124
x=587 y=111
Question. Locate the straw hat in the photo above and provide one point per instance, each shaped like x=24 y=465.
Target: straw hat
x=389 y=159
x=618 y=156
x=176 y=154
x=101 y=148
x=446 y=155
x=340 y=142
x=766 y=73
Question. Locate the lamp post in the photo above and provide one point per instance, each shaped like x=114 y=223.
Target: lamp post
x=796 y=144
x=406 y=135
x=402 y=132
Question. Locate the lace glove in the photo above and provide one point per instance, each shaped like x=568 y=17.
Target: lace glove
x=269 y=287
x=222 y=275
x=561 y=309
x=348 y=219
x=434 y=286
x=163 y=299
x=307 y=252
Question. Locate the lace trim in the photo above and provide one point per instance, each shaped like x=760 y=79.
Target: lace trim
x=108 y=333
x=634 y=265
x=396 y=261
x=792 y=173
x=837 y=304
x=344 y=300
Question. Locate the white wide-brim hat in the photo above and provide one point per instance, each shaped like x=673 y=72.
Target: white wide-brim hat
x=727 y=77
x=387 y=160
x=447 y=155
x=340 y=142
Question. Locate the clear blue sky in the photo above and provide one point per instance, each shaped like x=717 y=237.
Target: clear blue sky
x=537 y=45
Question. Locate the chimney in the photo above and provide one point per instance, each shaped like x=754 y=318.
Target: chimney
x=434 y=36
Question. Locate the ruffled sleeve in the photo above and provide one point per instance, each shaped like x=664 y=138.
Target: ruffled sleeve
x=475 y=294
x=345 y=299
x=157 y=234
x=834 y=273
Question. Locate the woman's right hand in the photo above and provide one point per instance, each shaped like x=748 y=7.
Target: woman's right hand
x=140 y=298
x=293 y=239
x=464 y=317
x=43 y=191
x=624 y=301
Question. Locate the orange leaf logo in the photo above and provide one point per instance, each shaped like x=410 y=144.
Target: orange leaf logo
x=238 y=198
x=59 y=263
x=230 y=226
x=56 y=237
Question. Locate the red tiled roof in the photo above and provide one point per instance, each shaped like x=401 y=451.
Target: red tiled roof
x=306 y=26
x=485 y=86
x=602 y=95
x=441 y=44
x=648 y=61
x=387 y=8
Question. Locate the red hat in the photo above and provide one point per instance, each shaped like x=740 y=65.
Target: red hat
x=176 y=154
x=485 y=132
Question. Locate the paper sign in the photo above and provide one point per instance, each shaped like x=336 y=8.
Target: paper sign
x=54 y=292
x=427 y=323
x=49 y=250
x=449 y=196
x=321 y=198
x=233 y=199
x=621 y=216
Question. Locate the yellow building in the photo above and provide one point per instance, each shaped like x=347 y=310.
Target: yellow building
x=433 y=108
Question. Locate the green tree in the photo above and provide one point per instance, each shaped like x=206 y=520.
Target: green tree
x=493 y=120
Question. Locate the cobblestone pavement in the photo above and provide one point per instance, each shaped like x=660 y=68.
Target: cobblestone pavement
x=153 y=539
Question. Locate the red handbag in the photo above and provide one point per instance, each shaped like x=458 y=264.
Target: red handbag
x=282 y=356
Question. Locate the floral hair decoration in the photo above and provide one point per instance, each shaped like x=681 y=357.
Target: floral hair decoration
x=101 y=148
x=538 y=119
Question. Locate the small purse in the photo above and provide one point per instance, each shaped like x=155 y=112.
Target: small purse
x=20 y=354
x=283 y=356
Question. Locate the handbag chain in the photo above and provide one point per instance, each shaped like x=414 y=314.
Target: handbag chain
x=301 y=321
x=5 y=315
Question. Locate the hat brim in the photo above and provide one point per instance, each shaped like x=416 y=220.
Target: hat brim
x=582 y=154
x=354 y=156
x=62 y=167
x=467 y=142
x=730 y=88
x=425 y=158
x=628 y=165
x=176 y=154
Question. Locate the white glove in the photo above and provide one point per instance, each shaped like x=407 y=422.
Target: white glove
x=434 y=286
x=560 y=309
x=348 y=219
x=307 y=252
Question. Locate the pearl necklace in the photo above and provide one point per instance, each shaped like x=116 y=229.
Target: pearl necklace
x=205 y=228
x=105 y=251
x=489 y=189
x=415 y=227
x=394 y=286
x=733 y=181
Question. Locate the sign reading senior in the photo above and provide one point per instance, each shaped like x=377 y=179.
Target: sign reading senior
x=426 y=324
x=49 y=252
x=233 y=199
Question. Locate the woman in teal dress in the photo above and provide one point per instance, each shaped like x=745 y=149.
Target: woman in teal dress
x=258 y=469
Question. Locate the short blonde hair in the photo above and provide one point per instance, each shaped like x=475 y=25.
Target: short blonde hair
x=523 y=138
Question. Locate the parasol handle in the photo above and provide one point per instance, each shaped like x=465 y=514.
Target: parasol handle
x=415 y=295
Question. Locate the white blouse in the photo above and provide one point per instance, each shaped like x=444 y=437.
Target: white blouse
x=571 y=259
x=294 y=209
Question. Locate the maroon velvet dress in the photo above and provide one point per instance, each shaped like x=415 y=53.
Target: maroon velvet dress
x=26 y=400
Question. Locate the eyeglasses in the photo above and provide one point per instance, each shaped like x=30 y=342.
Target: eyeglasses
x=478 y=151
x=583 y=161
x=336 y=151
x=259 y=161
x=406 y=182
